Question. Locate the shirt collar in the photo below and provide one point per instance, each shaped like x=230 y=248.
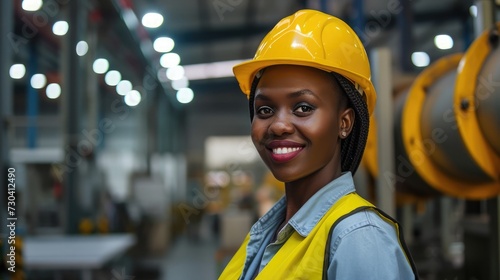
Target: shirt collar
x=317 y=205
x=271 y=219
x=320 y=202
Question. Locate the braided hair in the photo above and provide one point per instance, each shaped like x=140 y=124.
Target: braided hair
x=352 y=147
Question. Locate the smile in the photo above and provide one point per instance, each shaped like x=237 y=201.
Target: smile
x=284 y=154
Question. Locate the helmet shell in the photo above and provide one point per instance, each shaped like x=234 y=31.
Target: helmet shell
x=315 y=39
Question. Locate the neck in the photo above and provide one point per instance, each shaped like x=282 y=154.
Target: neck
x=300 y=191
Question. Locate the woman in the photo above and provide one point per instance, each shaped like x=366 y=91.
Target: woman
x=310 y=98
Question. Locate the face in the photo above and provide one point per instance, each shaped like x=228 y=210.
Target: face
x=299 y=116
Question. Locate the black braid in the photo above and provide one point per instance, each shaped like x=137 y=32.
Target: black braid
x=255 y=82
x=351 y=148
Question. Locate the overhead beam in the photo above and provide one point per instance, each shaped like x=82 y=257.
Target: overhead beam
x=198 y=36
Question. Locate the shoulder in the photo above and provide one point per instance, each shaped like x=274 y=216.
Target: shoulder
x=365 y=244
x=354 y=225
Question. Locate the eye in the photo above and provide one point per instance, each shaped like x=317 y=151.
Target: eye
x=264 y=111
x=303 y=109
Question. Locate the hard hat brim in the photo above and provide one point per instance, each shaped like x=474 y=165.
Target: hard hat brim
x=245 y=73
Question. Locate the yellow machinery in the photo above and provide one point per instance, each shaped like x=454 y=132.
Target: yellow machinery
x=447 y=128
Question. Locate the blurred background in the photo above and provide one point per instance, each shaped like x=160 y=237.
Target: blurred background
x=125 y=149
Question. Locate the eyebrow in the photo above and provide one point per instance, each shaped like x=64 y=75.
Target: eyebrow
x=294 y=94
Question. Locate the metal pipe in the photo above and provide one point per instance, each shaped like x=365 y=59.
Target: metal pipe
x=405 y=21
x=381 y=63
x=485 y=16
x=32 y=100
x=72 y=73
x=6 y=27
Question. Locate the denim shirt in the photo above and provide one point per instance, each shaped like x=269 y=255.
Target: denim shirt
x=363 y=245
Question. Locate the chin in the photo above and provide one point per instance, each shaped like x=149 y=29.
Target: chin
x=285 y=175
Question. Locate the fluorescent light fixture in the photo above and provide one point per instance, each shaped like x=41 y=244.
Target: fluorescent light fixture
x=133 y=98
x=38 y=81
x=170 y=60
x=32 y=5
x=123 y=87
x=175 y=73
x=112 y=78
x=152 y=20
x=420 y=59
x=60 y=28
x=17 y=71
x=185 y=95
x=213 y=70
x=443 y=42
x=100 y=66
x=53 y=91
x=82 y=48
x=163 y=44
x=181 y=83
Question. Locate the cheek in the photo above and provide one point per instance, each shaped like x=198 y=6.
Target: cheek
x=325 y=126
x=257 y=133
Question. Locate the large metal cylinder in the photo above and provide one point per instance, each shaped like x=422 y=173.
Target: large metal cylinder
x=447 y=126
x=450 y=123
x=441 y=137
x=408 y=180
x=488 y=99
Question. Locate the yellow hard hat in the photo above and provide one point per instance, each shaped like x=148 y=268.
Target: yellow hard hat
x=315 y=39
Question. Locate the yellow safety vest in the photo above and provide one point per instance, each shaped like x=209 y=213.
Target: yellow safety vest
x=308 y=257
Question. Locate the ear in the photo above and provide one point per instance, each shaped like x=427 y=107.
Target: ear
x=346 y=122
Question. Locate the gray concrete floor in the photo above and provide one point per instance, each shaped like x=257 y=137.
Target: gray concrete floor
x=191 y=258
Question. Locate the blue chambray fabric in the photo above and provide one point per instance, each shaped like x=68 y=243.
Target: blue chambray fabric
x=363 y=246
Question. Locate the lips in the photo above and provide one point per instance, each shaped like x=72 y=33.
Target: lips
x=283 y=151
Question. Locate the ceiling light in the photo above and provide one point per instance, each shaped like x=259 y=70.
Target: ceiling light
x=181 y=83
x=175 y=73
x=112 y=78
x=152 y=20
x=163 y=44
x=53 y=91
x=420 y=59
x=60 y=28
x=170 y=60
x=133 y=98
x=32 y=5
x=82 y=48
x=473 y=10
x=17 y=71
x=123 y=87
x=100 y=66
x=38 y=81
x=185 y=95
x=211 y=70
x=443 y=42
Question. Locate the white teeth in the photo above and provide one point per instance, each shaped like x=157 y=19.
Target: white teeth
x=285 y=150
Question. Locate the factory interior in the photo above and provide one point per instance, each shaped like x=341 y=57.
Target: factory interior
x=125 y=146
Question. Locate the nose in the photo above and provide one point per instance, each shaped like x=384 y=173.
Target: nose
x=281 y=124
